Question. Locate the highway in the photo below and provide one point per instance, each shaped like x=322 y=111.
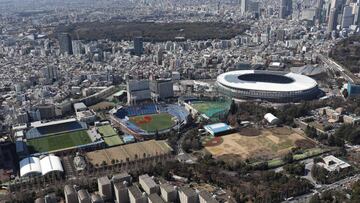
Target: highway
x=338 y=68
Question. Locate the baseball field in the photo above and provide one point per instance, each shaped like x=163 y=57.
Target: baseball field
x=151 y=123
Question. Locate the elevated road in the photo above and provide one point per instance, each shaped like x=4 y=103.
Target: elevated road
x=350 y=77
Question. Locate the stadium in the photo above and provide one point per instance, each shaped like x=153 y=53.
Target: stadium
x=57 y=136
x=143 y=121
x=271 y=86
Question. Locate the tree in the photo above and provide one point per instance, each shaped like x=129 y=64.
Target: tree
x=315 y=199
x=233 y=108
x=288 y=158
x=310 y=132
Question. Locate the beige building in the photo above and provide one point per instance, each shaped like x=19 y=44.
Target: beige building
x=168 y=192
x=148 y=184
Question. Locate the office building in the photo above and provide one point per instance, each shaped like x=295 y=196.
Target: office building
x=347 y=17
x=70 y=194
x=65 y=43
x=244 y=6
x=50 y=73
x=138 y=46
x=162 y=89
x=138 y=90
x=105 y=188
x=285 y=9
x=332 y=20
x=148 y=184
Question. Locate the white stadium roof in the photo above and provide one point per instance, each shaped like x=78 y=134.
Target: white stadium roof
x=35 y=166
x=298 y=83
x=30 y=166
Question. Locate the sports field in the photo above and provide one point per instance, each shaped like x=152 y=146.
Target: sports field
x=60 y=141
x=210 y=108
x=151 y=123
x=106 y=131
x=261 y=144
x=109 y=135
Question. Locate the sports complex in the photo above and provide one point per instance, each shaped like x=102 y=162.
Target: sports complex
x=143 y=121
x=59 y=136
x=272 y=86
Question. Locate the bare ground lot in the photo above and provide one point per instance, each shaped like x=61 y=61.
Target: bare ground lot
x=260 y=144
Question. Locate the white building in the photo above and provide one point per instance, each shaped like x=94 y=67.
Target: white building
x=331 y=163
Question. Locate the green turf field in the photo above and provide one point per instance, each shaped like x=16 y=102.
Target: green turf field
x=113 y=141
x=158 y=122
x=106 y=131
x=60 y=141
x=210 y=108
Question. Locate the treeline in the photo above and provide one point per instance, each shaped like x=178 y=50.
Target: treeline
x=347 y=53
x=255 y=186
x=153 y=32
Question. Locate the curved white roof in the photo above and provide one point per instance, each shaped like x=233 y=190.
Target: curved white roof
x=29 y=166
x=50 y=163
x=299 y=83
x=43 y=166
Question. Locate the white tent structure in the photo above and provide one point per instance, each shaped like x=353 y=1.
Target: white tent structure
x=273 y=120
x=33 y=166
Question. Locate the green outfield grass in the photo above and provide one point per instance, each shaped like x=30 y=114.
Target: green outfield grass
x=106 y=131
x=60 y=141
x=113 y=141
x=151 y=123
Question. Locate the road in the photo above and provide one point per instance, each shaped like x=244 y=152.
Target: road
x=341 y=183
x=338 y=68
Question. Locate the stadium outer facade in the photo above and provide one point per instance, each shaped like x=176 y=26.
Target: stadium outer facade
x=274 y=86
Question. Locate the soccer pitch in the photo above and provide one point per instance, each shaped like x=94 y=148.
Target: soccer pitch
x=60 y=141
x=151 y=123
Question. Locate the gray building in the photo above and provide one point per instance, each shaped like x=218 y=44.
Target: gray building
x=121 y=192
x=65 y=43
x=70 y=194
x=162 y=89
x=155 y=198
x=138 y=46
x=168 y=192
x=105 y=188
x=136 y=196
x=206 y=197
x=148 y=184
x=188 y=195
x=83 y=196
x=121 y=177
